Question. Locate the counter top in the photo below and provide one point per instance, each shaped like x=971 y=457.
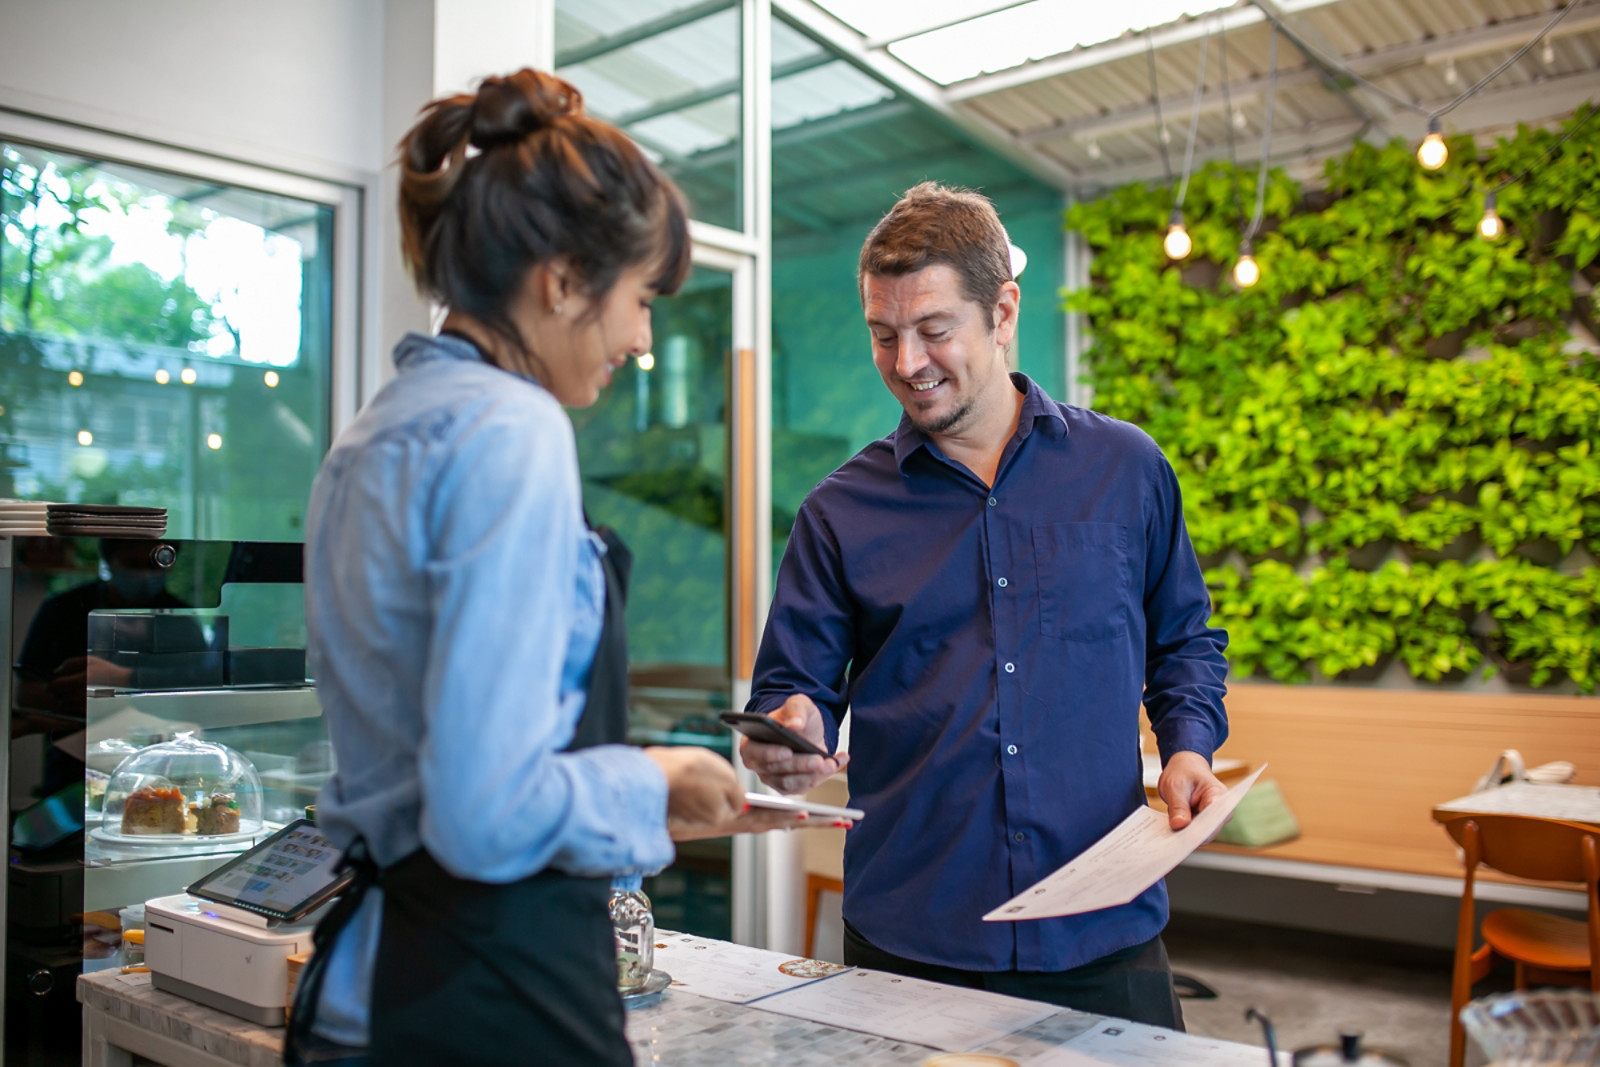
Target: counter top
x=125 y=1012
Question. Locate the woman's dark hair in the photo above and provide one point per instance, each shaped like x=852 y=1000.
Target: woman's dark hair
x=495 y=183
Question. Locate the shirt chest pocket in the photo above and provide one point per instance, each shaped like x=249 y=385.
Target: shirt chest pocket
x=1084 y=580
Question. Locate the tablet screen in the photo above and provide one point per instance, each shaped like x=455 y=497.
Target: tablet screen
x=284 y=877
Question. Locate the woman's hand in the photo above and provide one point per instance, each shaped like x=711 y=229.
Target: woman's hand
x=703 y=793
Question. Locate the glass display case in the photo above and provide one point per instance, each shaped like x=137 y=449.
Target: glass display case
x=161 y=722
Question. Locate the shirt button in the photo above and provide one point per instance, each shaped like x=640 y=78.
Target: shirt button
x=1011 y=668
x=1019 y=836
x=1002 y=583
x=993 y=502
x=1011 y=750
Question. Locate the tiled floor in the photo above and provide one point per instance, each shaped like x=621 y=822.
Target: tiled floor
x=1312 y=985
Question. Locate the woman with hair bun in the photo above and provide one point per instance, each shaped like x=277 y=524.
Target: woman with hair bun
x=465 y=623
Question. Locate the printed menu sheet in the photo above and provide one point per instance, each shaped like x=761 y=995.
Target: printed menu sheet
x=1112 y=1041
x=1122 y=864
x=910 y=1009
x=733 y=973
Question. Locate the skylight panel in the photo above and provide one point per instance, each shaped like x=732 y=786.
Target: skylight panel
x=823 y=91
x=1033 y=31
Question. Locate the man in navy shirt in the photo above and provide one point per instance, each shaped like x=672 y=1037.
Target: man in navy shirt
x=991 y=591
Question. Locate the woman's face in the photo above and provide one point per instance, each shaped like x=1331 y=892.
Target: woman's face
x=582 y=345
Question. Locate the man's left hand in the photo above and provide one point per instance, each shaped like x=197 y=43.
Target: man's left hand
x=1187 y=786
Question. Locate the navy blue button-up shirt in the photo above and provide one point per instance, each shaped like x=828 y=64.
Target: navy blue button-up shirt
x=993 y=646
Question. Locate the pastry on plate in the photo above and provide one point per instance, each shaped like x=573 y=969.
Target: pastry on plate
x=217 y=814
x=153 y=810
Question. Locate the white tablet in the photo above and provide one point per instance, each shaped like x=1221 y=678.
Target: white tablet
x=797 y=804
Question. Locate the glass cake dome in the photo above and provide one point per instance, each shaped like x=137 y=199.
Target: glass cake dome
x=183 y=790
x=106 y=755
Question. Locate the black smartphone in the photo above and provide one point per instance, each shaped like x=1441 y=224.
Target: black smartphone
x=770 y=731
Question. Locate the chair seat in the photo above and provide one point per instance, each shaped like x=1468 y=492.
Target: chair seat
x=1538 y=939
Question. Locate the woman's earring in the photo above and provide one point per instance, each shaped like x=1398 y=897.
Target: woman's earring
x=556 y=310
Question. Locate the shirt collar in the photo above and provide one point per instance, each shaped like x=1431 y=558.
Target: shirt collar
x=1036 y=405
x=415 y=348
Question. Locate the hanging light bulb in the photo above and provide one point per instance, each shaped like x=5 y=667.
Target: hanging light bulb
x=1178 y=243
x=1094 y=150
x=1547 y=54
x=1247 y=271
x=1490 y=225
x=1450 y=75
x=1433 y=152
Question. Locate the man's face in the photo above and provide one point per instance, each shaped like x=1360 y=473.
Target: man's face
x=941 y=355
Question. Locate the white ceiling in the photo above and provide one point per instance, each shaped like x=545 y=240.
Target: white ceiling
x=1072 y=102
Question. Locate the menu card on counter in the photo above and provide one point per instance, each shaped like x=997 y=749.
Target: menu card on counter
x=1122 y=864
x=734 y=973
x=909 y=1009
x=1113 y=1041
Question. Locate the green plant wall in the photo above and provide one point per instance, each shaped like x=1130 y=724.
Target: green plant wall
x=1390 y=446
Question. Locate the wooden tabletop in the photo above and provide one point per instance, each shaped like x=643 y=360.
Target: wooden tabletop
x=1573 y=803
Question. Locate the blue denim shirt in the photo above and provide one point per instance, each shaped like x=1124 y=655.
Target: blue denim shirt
x=454 y=600
x=992 y=647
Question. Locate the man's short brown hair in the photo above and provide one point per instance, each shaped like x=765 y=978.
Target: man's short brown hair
x=936 y=223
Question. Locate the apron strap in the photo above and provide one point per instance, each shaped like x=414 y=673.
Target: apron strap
x=297 y=1050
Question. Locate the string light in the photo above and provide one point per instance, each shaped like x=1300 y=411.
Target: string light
x=1490 y=225
x=1450 y=75
x=1178 y=243
x=85 y=438
x=271 y=378
x=75 y=378
x=1094 y=149
x=213 y=441
x=188 y=377
x=1547 y=55
x=1247 y=271
x=1433 y=152
x=162 y=377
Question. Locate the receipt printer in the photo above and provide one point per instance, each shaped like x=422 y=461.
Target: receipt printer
x=223 y=957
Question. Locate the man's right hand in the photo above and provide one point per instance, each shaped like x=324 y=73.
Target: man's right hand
x=784 y=769
x=703 y=792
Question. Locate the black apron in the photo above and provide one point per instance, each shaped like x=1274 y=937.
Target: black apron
x=469 y=972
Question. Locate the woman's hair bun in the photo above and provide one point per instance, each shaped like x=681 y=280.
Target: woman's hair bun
x=508 y=109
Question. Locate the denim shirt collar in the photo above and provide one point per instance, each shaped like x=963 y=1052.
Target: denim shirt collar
x=415 y=349
x=1036 y=405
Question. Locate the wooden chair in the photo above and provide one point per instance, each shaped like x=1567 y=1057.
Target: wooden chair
x=1546 y=949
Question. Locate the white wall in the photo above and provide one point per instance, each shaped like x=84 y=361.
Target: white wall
x=294 y=84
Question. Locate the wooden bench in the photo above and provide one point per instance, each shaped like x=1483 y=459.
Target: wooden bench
x=1362 y=768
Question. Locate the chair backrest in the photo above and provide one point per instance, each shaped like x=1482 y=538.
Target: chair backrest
x=1526 y=846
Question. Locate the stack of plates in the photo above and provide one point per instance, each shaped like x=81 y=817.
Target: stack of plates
x=23 y=518
x=101 y=520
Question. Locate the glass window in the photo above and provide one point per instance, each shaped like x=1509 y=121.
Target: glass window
x=668 y=73
x=844 y=148
x=654 y=457
x=164 y=340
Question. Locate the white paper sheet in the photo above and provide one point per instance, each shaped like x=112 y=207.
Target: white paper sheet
x=1134 y=1044
x=1122 y=864
x=734 y=973
x=909 y=1009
